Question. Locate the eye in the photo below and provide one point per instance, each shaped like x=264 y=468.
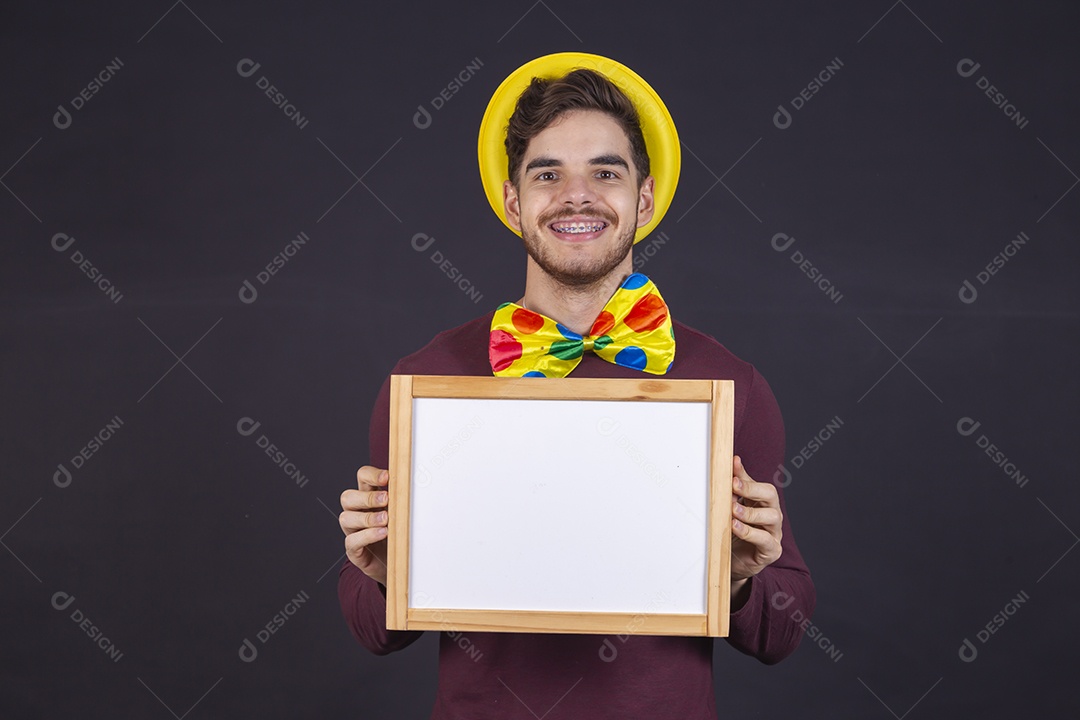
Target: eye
x=607 y=175
x=546 y=175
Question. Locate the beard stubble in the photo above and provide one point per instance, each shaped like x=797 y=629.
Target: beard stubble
x=578 y=273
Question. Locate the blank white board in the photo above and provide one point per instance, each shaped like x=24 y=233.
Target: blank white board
x=603 y=509
x=560 y=504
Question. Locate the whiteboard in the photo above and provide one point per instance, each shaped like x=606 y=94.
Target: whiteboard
x=604 y=510
x=560 y=504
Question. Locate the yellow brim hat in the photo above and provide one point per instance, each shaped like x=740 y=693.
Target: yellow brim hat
x=661 y=139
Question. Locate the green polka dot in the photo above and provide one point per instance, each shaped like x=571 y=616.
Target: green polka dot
x=602 y=342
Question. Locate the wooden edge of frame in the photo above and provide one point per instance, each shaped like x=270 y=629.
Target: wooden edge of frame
x=397 y=545
x=715 y=622
x=555 y=622
x=718 y=596
x=453 y=386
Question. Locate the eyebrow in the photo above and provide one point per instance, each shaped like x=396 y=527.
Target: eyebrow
x=610 y=160
x=544 y=162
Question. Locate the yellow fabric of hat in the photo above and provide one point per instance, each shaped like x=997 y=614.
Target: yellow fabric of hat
x=661 y=139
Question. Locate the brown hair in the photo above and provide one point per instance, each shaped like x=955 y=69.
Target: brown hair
x=545 y=100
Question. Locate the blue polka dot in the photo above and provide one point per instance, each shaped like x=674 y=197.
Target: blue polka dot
x=669 y=367
x=634 y=281
x=534 y=373
x=567 y=332
x=632 y=357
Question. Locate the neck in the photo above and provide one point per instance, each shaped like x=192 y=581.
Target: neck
x=575 y=306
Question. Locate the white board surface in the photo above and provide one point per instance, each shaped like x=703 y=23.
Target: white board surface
x=501 y=516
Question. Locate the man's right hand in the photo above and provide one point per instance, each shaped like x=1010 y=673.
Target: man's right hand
x=363 y=520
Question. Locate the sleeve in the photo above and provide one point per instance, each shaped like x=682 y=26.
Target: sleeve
x=766 y=626
x=363 y=600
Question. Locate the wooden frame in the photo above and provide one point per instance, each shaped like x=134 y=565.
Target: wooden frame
x=405 y=390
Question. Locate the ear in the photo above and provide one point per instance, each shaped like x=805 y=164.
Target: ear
x=645 y=202
x=511 y=205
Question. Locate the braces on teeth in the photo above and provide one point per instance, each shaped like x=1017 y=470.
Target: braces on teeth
x=579 y=228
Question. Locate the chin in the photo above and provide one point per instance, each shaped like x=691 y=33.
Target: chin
x=580 y=263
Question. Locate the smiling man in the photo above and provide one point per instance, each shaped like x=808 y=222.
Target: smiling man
x=577 y=202
x=579 y=189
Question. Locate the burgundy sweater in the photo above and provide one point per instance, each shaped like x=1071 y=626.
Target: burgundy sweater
x=589 y=677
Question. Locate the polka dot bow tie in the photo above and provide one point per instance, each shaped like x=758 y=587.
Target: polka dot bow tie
x=633 y=330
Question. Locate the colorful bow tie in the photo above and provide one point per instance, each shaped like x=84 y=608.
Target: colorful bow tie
x=633 y=330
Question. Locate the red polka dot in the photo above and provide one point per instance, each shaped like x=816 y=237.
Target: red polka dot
x=603 y=324
x=503 y=350
x=526 y=321
x=648 y=313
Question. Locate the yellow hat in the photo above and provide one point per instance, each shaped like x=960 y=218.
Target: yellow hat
x=661 y=139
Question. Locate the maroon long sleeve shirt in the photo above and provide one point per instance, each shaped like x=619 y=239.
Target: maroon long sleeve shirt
x=589 y=677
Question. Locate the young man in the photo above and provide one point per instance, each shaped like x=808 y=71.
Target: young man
x=579 y=191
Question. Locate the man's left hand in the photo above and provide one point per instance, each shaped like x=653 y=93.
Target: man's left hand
x=755 y=525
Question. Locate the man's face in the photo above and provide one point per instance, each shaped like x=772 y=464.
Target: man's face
x=578 y=204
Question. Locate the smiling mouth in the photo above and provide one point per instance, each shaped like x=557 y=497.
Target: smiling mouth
x=578 y=228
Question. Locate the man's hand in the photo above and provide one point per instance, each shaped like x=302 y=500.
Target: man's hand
x=755 y=524
x=363 y=520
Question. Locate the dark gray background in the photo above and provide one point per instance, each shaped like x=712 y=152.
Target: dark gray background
x=180 y=180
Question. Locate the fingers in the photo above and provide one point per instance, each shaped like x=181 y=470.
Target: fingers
x=743 y=486
x=756 y=520
x=766 y=545
x=362 y=509
x=766 y=517
x=363 y=499
x=370 y=477
x=371 y=495
x=353 y=521
x=357 y=541
x=363 y=519
x=737 y=467
x=755 y=504
x=358 y=547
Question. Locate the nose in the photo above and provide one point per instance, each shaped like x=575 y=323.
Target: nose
x=577 y=190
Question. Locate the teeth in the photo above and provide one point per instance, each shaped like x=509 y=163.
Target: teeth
x=579 y=228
